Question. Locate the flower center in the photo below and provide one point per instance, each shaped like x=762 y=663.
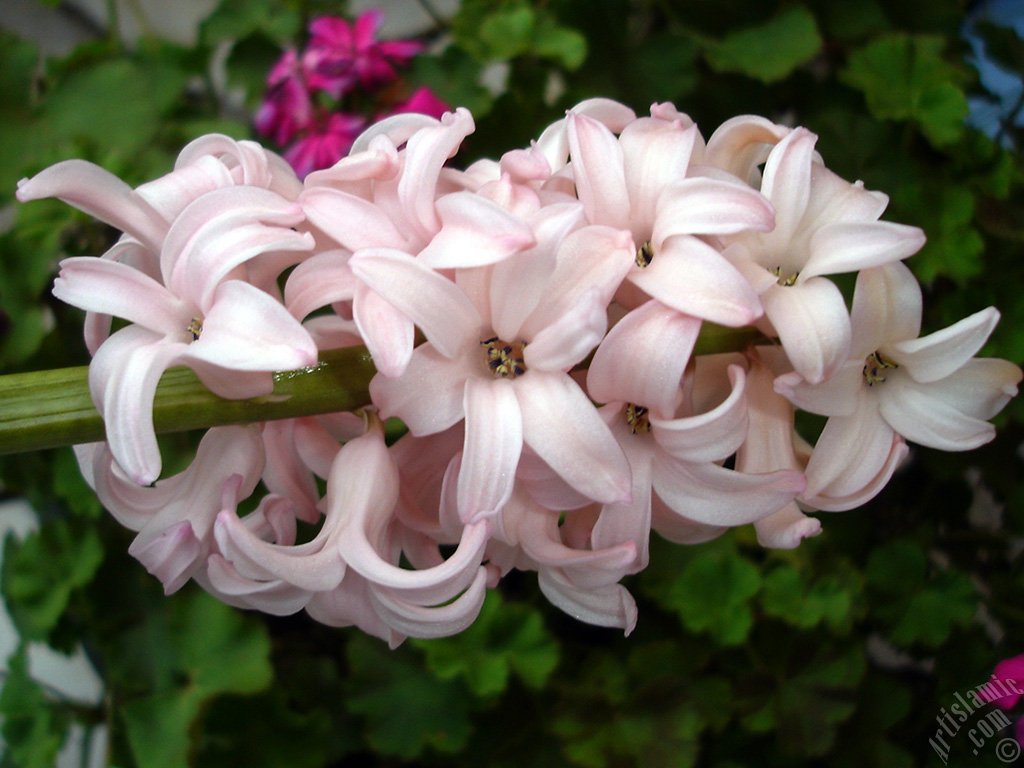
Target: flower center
x=504 y=359
x=195 y=328
x=637 y=418
x=874 y=367
x=644 y=254
x=787 y=280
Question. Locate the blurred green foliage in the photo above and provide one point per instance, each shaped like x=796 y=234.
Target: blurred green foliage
x=841 y=653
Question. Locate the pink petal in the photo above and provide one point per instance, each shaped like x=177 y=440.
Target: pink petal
x=426 y=152
x=322 y=279
x=630 y=521
x=569 y=339
x=980 y=389
x=351 y=221
x=172 y=557
x=441 y=621
x=123 y=378
x=275 y=597
x=519 y=281
x=643 y=357
x=812 y=324
x=851 y=454
x=713 y=495
x=609 y=606
x=474 y=232
x=741 y=144
x=248 y=330
x=834 y=397
x=710 y=436
x=692 y=277
x=591 y=257
x=389 y=335
x=915 y=412
x=830 y=501
x=564 y=429
x=428 y=396
x=705 y=206
x=434 y=303
x=787 y=181
x=170 y=194
x=655 y=154
x=786 y=528
x=98 y=193
x=851 y=246
x=597 y=163
x=113 y=288
x=494 y=440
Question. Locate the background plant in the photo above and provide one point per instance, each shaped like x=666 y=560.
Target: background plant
x=842 y=652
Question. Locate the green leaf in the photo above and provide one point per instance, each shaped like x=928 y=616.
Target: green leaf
x=406 y=708
x=504 y=31
x=117 y=103
x=559 y=44
x=41 y=573
x=33 y=726
x=712 y=594
x=455 y=77
x=904 y=77
x=771 y=51
x=805 y=708
x=238 y=19
x=827 y=600
x=917 y=606
x=663 y=68
x=508 y=33
x=946 y=212
x=198 y=650
x=505 y=638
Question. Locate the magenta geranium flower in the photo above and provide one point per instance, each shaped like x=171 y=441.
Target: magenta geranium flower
x=341 y=54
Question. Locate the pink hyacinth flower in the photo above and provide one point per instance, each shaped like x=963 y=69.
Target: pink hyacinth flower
x=498 y=356
x=823 y=225
x=640 y=181
x=228 y=331
x=929 y=390
x=175 y=517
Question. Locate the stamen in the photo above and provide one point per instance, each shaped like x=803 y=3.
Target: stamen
x=784 y=281
x=874 y=364
x=637 y=418
x=195 y=327
x=644 y=254
x=504 y=359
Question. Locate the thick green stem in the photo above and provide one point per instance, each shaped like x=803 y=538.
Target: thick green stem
x=46 y=409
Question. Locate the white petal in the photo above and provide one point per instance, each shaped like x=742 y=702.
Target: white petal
x=813 y=326
x=887 y=306
x=939 y=354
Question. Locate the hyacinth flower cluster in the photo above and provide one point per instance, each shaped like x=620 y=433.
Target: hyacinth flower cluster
x=533 y=321
x=320 y=99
